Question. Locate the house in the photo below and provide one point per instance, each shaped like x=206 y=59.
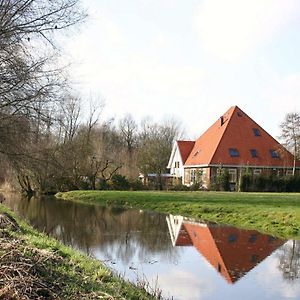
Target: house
x=231 y=251
x=234 y=142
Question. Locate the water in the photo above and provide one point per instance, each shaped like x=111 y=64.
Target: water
x=184 y=258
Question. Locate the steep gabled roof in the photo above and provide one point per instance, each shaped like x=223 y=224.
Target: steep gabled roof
x=236 y=130
x=231 y=251
x=185 y=148
x=206 y=145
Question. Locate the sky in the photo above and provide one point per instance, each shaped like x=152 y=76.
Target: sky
x=190 y=60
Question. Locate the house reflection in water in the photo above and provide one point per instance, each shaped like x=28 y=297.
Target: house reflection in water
x=231 y=251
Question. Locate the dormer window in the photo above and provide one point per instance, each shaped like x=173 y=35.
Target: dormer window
x=274 y=153
x=253 y=153
x=256 y=132
x=233 y=152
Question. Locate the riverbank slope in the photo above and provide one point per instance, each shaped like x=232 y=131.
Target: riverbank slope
x=273 y=213
x=35 y=266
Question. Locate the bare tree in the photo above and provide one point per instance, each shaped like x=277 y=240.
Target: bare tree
x=128 y=129
x=156 y=141
x=26 y=76
x=290 y=134
x=69 y=119
x=96 y=106
x=289 y=260
x=30 y=83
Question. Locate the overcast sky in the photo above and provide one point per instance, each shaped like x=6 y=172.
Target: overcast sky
x=191 y=59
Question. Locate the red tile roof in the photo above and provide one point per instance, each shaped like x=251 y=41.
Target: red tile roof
x=235 y=129
x=232 y=259
x=185 y=148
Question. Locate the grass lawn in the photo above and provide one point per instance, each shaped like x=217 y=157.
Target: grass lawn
x=272 y=213
x=34 y=266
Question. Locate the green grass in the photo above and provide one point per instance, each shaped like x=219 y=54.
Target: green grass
x=272 y=213
x=82 y=277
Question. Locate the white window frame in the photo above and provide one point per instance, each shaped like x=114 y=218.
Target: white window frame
x=257 y=172
x=232 y=175
x=193 y=176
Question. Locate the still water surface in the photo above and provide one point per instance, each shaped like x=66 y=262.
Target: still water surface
x=185 y=259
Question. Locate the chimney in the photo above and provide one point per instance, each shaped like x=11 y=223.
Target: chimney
x=222 y=120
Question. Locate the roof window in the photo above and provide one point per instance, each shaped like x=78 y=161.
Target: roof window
x=274 y=153
x=253 y=153
x=256 y=132
x=233 y=152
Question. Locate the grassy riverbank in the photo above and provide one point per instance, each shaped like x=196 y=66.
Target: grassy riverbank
x=34 y=266
x=273 y=213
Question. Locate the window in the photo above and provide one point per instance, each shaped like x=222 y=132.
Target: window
x=252 y=238
x=232 y=238
x=256 y=131
x=233 y=152
x=256 y=172
x=176 y=164
x=289 y=172
x=272 y=239
x=193 y=175
x=274 y=153
x=232 y=175
x=254 y=258
x=253 y=153
x=187 y=176
x=196 y=153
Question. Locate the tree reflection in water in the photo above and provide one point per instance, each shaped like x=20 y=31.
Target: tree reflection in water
x=115 y=232
x=289 y=260
x=134 y=239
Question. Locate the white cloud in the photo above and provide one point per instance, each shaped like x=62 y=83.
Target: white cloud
x=185 y=285
x=284 y=93
x=132 y=81
x=280 y=96
x=230 y=29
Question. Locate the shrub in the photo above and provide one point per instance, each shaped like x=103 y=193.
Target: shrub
x=179 y=187
x=119 y=182
x=102 y=185
x=222 y=181
x=136 y=185
x=246 y=182
x=195 y=187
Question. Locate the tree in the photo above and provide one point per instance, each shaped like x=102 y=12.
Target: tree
x=128 y=131
x=31 y=84
x=290 y=134
x=29 y=80
x=156 y=141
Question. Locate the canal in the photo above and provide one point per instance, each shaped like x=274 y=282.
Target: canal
x=184 y=258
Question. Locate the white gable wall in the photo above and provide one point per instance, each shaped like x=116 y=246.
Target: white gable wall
x=175 y=163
